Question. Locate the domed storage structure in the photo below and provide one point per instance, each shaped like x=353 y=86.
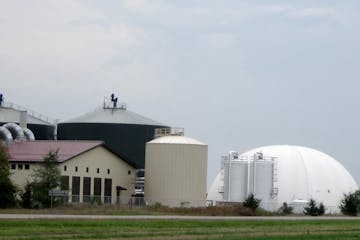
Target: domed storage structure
x=123 y=131
x=292 y=174
x=175 y=171
x=42 y=127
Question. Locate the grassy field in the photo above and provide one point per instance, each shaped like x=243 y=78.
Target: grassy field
x=178 y=229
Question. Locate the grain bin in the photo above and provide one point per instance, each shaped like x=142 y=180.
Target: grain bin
x=175 y=171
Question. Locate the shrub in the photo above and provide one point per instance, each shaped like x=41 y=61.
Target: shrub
x=251 y=202
x=26 y=196
x=313 y=209
x=285 y=209
x=350 y=204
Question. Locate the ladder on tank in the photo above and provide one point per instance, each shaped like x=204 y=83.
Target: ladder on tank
x=274 y=189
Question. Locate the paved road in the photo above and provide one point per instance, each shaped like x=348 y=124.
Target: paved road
x=169 y=217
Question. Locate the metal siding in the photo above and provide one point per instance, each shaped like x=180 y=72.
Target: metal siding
x=238 y=181
x=176 y=173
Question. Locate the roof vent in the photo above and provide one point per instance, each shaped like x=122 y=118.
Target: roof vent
x=161 y=132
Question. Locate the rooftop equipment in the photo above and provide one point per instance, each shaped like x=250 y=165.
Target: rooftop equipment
x=43 y=128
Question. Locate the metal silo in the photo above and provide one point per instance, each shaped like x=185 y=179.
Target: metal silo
x=41 y=126
x=252 y=174
x=175 y=171
x=123 y=131
x=236 y=172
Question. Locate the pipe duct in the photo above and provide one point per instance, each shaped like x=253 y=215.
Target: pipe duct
x=16 y=131
x=5 y=135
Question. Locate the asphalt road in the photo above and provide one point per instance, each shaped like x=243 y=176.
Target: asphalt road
x=170 y=217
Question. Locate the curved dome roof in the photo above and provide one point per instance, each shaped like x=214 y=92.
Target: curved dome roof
x=113 y=115
x=304 y=173
x=176 y=140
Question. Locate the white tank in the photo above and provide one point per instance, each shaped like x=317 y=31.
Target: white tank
x=296 y=175
x=235 y=177
x=176 y=171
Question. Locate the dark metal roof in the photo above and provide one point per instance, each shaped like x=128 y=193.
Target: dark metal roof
x=35 y=151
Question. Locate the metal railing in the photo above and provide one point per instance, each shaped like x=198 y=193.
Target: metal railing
x=143 y=202
x=29 y=112
x=160 y=132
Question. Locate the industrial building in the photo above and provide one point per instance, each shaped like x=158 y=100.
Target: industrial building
x=102 y=154
x=282 y=173
x=176 y=171
x=42 y=127
x=89 y=170
x=116 y=154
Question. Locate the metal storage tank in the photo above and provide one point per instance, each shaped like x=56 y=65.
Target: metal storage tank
x=123 y=131
x=42 y=126
x=248 y=174
x=232 y=166
x=175 y=171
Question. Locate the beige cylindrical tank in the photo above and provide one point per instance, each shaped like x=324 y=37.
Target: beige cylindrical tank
x=175 y=171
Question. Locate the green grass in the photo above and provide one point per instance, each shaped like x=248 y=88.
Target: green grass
x=179 y=229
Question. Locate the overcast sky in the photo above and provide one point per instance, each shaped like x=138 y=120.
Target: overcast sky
x=235 y=74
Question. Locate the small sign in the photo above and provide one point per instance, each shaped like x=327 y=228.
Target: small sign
x=58 y=193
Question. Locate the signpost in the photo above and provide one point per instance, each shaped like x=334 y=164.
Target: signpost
x=57 y=193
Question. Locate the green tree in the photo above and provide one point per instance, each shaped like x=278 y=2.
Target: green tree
x=26 y=196
x=251 y=202
x=47 y=177
x=7 y=188
x=350 y=204
x=313 y=209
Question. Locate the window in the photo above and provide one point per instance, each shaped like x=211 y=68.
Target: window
x=86 y=189
x=27 y=166
x=65 y=168
x=20 y=166
x=87 y=169
x=64 y=185
x=108 y=171
x=107 y=190
x=13 y=166
x=76 y=169
x=129 y=172
x=97 y=187
x=75 y=189
x=98 y=170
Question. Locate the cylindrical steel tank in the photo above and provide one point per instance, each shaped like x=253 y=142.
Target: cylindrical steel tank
x=41 y=126
x=123 y=131
x=175 y=171
x=244 y=175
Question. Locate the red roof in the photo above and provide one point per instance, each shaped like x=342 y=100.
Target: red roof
x=35 y=151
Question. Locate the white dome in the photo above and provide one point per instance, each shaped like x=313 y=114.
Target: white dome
x=304 y=173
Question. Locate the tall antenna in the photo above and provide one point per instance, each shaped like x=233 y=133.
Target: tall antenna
x=114 y=100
